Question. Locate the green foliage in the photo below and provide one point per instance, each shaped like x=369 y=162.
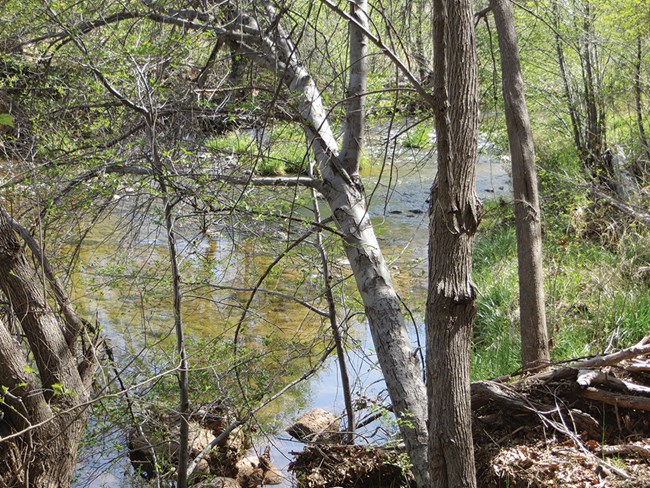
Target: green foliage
x=77 y=127
x=418 y=137
x=59 y=389
x=283 y=151
x=559 y=176
x=7 y=120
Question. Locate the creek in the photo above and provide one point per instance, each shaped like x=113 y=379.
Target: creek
x=119 y=281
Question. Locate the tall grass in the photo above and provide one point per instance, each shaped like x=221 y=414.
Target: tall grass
x=496 y=333
x=596 y=297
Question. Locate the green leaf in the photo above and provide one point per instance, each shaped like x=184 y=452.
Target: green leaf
x=6 y=119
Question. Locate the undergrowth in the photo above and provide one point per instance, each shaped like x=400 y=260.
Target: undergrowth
x=597 y=298
x=278 y=151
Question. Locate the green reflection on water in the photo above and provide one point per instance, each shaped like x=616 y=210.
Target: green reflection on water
x=124 y=280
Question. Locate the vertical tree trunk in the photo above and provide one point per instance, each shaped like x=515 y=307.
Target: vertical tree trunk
x=355 y=116
x=595 y=127
x=532 y=314
x=638 y=91
x=576 y=124
x=415 y=11
x=454 y=216
x=51 y=406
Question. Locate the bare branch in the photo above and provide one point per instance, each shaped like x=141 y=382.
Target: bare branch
x=226 y=432
x=422 y=91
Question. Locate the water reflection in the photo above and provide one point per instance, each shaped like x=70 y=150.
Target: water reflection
x=123 y=279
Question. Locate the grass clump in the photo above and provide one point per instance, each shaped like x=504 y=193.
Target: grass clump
x=286 y=152
x=417 y=137
x=276 y=151
x=235 y=142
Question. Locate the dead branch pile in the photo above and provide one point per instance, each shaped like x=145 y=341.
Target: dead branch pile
x=351 y=466
x=581 y=424
x=563 y=426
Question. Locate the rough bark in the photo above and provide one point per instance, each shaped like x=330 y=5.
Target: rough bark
x=44 y=414
x=532 y=314
x=355 y=116
x=454 y=216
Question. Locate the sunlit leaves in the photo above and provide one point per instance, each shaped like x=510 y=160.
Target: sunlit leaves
x=6 y=120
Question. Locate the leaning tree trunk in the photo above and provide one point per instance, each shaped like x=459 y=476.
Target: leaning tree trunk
x=532 y=314
x=454 y=216
x=45 y=414
x=344 y=192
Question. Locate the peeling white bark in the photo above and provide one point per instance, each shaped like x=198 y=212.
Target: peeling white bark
x=345 y=195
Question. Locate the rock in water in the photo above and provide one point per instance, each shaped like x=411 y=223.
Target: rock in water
x=258 y=470
x=317 y=425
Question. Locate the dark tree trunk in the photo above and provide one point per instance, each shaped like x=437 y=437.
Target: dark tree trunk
x=45 y=413
x=454 y=216
x=532 y=314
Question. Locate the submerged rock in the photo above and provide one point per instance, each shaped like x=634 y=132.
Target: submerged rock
x=154 y=446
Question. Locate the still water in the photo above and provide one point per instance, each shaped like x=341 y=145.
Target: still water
x=122 y=280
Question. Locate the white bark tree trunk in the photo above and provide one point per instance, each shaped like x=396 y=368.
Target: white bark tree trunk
x=345 y=195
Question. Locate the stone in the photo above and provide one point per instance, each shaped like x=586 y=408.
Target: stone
x=316 y=425
x=258 y=470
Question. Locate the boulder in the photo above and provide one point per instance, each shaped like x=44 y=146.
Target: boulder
x=258 y=470
x=317 y=425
